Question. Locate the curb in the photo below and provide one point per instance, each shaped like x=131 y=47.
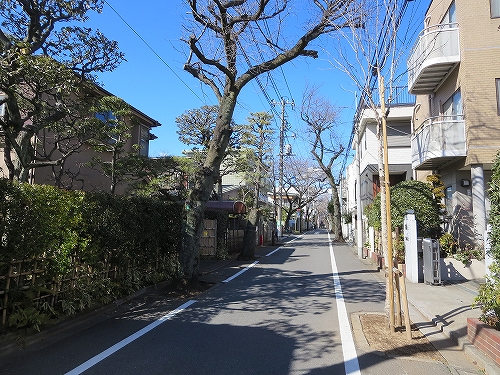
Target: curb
x=461 y=341
x=66 y=327
x=474 y=354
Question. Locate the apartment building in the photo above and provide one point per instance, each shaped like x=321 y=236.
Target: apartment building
x=454 y=71
x=362 y=175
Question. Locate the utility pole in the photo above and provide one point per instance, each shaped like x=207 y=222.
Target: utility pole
x=283 y=102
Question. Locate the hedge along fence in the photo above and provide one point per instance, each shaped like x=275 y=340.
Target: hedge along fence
x=65 y=251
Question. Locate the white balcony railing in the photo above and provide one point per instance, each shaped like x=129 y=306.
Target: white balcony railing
x=438 y=140
x=436 y=51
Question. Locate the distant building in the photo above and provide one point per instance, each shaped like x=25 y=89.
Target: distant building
x=366 y=144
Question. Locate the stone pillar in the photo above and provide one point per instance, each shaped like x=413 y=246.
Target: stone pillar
x=478 y=201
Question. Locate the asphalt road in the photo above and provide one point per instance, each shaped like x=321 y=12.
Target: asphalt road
x=287 y=313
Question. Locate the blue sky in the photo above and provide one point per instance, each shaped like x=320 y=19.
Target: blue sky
x=156 y=84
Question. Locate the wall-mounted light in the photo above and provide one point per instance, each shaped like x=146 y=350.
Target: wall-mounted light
x=464 y=182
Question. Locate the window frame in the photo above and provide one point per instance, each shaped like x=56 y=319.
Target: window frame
x=2 y=106
x=497 y=5
x=455 y=103
x=450 y=17
x=143 y=140
x=497 y=86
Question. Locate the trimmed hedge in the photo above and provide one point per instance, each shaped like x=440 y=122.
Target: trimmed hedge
x=92 y=247
x=409 y=195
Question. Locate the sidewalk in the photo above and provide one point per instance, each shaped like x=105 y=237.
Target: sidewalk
x=436 y=309
x=447 y=307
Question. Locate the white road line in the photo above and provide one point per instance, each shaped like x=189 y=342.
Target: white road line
x=239 y=273
x=279 y=248
x=272 y=252
x=99 y=357
x=351 y=363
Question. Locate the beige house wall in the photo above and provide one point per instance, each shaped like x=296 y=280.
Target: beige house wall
x=474 y=76
x=82 y=176
x=466 y=178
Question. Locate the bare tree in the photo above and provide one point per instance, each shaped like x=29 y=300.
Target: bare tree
x=321 y=119
x=228 y=39
x=371 y=60
x=302 y=185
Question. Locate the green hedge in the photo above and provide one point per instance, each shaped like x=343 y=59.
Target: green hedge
x=105 y=245
x=409 y=195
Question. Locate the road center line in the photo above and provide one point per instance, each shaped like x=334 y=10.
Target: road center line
x=351 y=363
x=239 y=273
x=99 y=357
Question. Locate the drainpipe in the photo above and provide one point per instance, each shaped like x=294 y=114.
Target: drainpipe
x=416 y=107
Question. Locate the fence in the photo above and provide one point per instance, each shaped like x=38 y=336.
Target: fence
x=208 y=241
x=32 y=283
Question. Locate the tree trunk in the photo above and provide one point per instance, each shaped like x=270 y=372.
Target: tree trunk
x=250 y=236
x=337 y=216
x=205 y=179
x=23 y=158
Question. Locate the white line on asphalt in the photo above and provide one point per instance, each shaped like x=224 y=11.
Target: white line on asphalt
x=351 y=363
x=99 y=357
x=272 y=252
x=239 y=273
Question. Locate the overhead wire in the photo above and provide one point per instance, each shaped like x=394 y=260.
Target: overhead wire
x=257 y=79
x=371 y=85
x=152 y=50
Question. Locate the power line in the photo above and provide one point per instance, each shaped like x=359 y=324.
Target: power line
x=382 y=49
x=152 y=50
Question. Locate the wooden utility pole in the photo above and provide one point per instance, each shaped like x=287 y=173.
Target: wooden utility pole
x=390 y=286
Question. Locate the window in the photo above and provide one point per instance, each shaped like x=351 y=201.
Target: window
x=2 y=106
x=453 y=106
x=106 y=117
x=109 y=119
x=497 y=84
x=495 y=8
x=450 y=16
x=144 y=141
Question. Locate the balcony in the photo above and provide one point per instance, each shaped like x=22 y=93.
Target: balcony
x=439 y=141
x=433 y=57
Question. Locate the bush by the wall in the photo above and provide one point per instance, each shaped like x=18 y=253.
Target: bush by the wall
x=409 y=195
x=92 y=248
x=488 y=298
x=494 y=195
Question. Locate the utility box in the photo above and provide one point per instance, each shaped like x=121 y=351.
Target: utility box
x=432 y=270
